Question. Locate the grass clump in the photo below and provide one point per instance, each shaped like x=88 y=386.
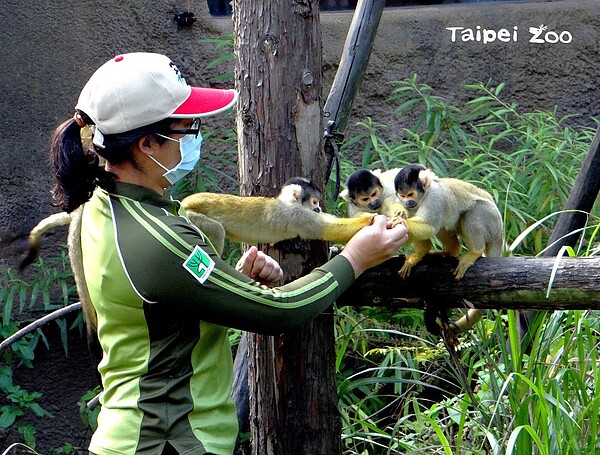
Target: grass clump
x=398 y=389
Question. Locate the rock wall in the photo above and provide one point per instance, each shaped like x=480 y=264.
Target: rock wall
x=49 y=50
x=537 y=76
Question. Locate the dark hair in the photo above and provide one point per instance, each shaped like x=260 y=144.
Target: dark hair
x=361 y=182
x=78 y=170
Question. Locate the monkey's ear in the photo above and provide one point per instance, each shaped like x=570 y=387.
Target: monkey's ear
x=425 y=177
x=291 y=193
x=345 y=195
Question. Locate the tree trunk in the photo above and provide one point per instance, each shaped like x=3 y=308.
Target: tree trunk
x=293 y=399
x=509 y=283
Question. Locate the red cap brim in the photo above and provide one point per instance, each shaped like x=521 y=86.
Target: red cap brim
x=203 y=102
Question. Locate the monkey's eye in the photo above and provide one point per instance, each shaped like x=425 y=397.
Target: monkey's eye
x=315 y=202
x=410 y=194
x=375 y=193
x=365 y=199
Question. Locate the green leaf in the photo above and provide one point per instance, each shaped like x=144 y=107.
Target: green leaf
x=9 y=415
x=8 y=306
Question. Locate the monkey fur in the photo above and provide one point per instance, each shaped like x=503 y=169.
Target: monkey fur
x=295 y=212
x=34 y=239
x=257 y=219
x=371 y=192
x=448 y=209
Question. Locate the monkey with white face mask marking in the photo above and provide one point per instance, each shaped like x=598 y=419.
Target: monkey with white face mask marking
x=371 y=192
x=448 y=209
x=295 y=212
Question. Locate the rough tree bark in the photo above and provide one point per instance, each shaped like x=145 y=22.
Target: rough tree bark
x=293 y=399
x=509 y=283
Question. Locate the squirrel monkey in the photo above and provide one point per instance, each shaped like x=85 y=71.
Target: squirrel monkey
x=448 y=208
x=256 y=219
x=295 y=212
x=371 y=192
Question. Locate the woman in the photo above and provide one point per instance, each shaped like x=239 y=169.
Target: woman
x=161 y=297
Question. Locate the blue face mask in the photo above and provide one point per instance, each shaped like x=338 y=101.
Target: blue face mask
x=189 y=147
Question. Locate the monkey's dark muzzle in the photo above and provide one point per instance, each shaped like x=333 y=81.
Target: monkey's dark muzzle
x=374 y=205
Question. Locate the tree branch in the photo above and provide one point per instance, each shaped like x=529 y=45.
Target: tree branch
x=501 y=283
x=38 y=323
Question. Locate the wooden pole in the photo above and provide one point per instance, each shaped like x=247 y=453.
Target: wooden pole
x=291 y=378
x=353 y=64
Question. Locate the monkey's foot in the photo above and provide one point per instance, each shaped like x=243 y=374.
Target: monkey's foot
x=464 y=263
x=460 y=271
x=404 y=272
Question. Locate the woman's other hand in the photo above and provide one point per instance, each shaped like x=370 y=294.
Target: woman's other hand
x=259 y=266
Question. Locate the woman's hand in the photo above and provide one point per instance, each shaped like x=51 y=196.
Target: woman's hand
x=259 y=266
x=374 y=244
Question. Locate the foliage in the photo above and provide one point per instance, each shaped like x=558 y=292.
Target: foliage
x=51 y=282
x=225 y=46
x=89 y=416
x=527 y=160
x=70 y=449
x=398 y=388
x=406 y=398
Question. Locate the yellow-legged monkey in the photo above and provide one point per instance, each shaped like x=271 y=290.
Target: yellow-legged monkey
x=295 y=212
x=448 y=209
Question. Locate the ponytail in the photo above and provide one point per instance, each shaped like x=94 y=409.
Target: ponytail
x=76 y=169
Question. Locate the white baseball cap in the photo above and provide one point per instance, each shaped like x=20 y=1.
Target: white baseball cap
x=137 y=89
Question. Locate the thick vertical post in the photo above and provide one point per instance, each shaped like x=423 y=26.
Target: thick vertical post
x=293 y=399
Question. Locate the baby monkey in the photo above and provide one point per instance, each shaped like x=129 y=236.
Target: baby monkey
x=370 y=192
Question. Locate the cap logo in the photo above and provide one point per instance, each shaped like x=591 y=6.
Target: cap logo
x=178 y=73
x=199 y=264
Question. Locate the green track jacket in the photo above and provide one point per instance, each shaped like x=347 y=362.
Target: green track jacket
x=164 y=300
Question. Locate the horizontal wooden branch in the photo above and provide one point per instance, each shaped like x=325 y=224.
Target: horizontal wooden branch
x=501 y=283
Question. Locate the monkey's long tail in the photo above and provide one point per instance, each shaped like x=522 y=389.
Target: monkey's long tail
x=52 y=221
x=467 y=322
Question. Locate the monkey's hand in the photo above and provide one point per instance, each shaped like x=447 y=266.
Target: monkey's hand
x=399 y=216
x=334 y=229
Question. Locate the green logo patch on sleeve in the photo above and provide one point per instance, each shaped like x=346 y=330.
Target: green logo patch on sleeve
x=199 y=264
